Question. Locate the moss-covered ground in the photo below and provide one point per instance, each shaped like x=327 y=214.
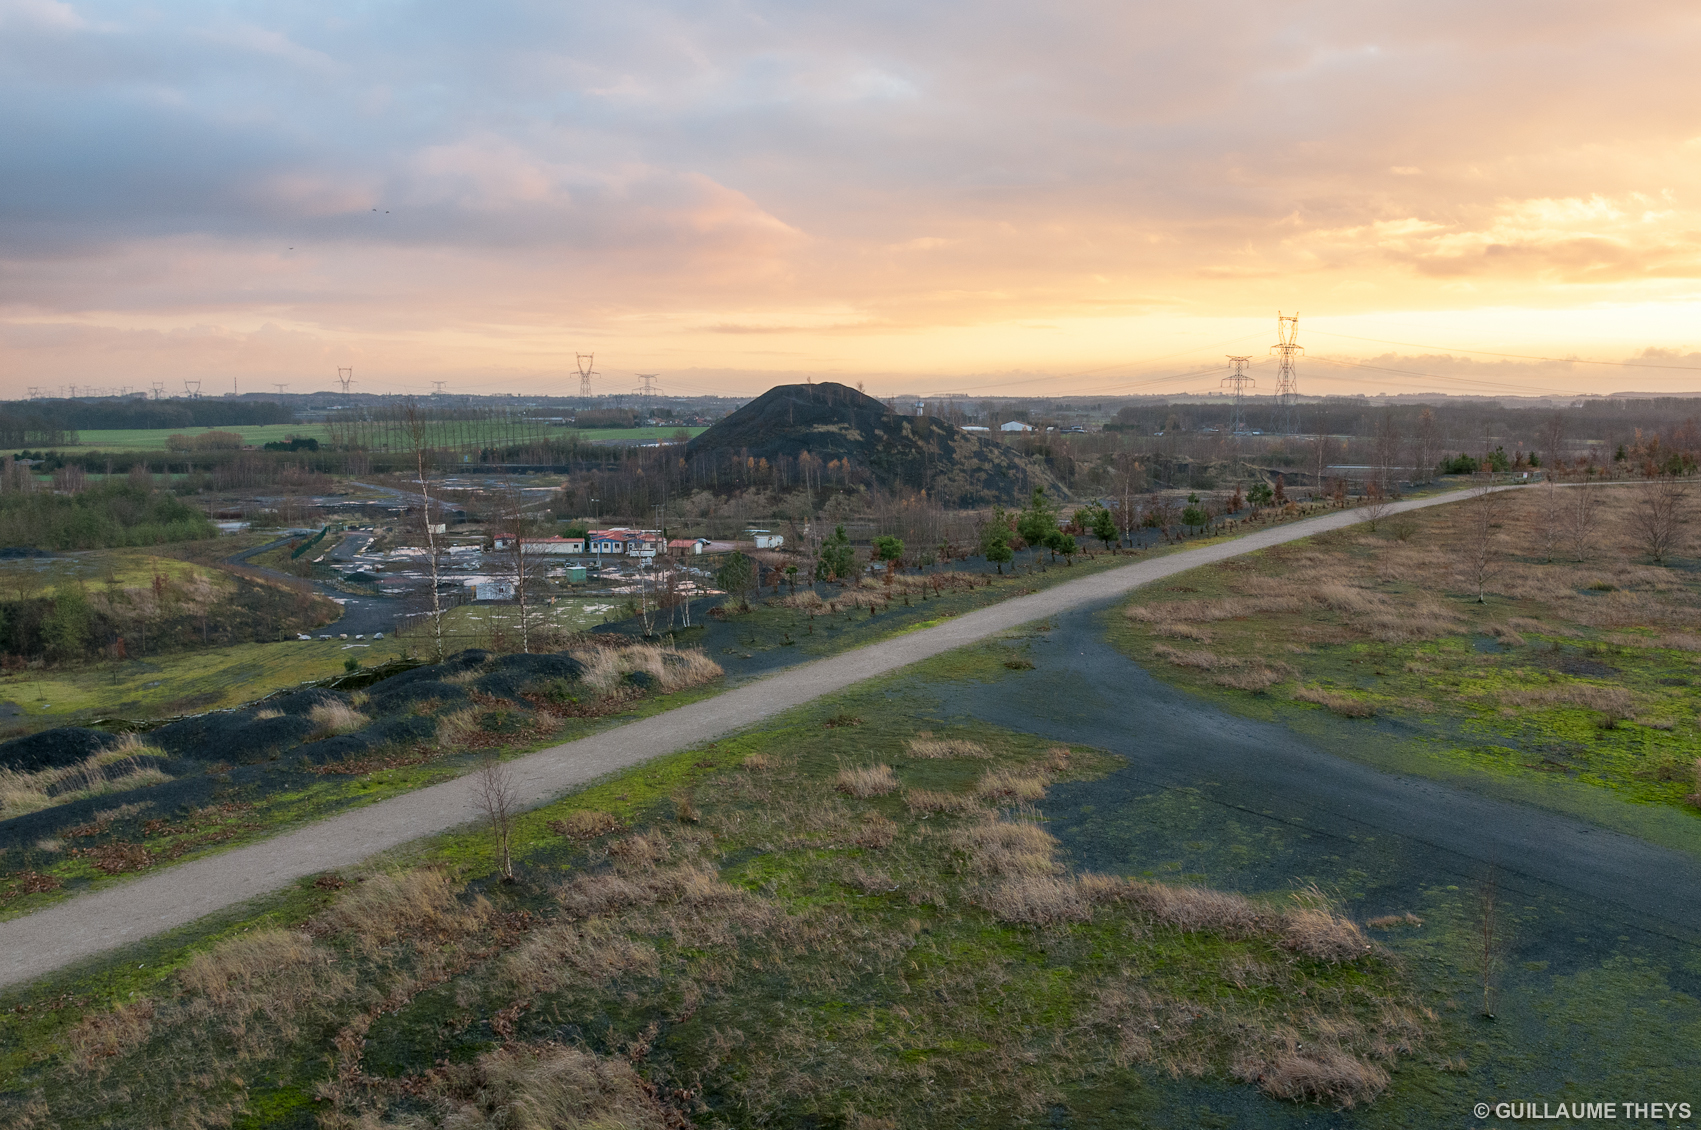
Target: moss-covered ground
x=1571 y=685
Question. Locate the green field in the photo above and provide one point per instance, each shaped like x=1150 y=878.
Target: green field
x=182 y=682
x=153 y=439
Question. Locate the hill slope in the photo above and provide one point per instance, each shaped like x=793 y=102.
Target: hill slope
x=832 y=422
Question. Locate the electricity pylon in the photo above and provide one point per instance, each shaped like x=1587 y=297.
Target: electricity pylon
x=345 y=377
x=1287 y=382
x=585 y=361
x=193 y=389
x=648 y=389
x=1237 y=383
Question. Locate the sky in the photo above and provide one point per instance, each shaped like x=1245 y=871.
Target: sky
x=988 y=198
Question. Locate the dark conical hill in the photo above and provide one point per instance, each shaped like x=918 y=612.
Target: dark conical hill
x=833 y=422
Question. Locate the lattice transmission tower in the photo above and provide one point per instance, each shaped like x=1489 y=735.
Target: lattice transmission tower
x=649 y=390
x=1287 y=381
x=1237 y=383
x=192 y=389
x=345 y=377
x=585 y=361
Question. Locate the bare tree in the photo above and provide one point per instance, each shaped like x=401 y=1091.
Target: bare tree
x=1488 y=937
x=1552 y=439
x=1481 y=520
x=496 y=799
x=1386 y=453
x=416 y=432
x=523 y=564
x=1659 y=516
x=1375 y=505
x=1549 y=519
x=1428 y=440
x=1322 y=450
x=1582 y=519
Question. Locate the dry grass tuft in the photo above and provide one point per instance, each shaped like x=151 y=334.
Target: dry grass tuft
x=1615 y=704
x=1203 y=660
x=1036 y=900
x=1256 y=680
x=1174 y=629
x=925 y=745
x=331 y=718
x=544 y=1086
x=758 y=763
x=232 y=972
x=587 y=825
x=103 y=1035
x=1200 y=909
x=110 y=771
x=1010 y=784
x=1007 y=847
x=867 y=781
x=1344 y=705
x=1313 y=929
x=386 y=908
x=267 y=715
x=457 y=728
x=928 y=800
x=1390 y=921
x=1322 y=1074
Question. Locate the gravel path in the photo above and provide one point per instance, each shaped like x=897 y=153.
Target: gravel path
x=80 y=927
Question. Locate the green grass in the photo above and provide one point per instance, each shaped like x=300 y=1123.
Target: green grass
x=177 y=683
x=154 y=439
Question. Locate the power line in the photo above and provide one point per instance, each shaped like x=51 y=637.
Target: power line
x=1515 y=356
x=1496 y=386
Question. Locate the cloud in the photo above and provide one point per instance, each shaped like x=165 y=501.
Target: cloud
x=680 y=177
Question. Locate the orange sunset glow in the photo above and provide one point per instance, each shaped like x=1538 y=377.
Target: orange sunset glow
x=992 y=199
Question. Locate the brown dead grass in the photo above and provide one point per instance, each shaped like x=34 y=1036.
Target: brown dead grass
x=1007 y=848
x=384 y=908
x=867 y=781
x=1036 y=900
x=552 y=1087
x=331 y=718
x=586 y=825
x=1010 y=785
x=925 y=745
x=1345 y=705
x=929 y=800
x=1321 y=1075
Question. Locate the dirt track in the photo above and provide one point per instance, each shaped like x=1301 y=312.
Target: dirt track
x=81 y=927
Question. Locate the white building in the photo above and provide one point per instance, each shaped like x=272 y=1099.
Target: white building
x=1015 y=426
